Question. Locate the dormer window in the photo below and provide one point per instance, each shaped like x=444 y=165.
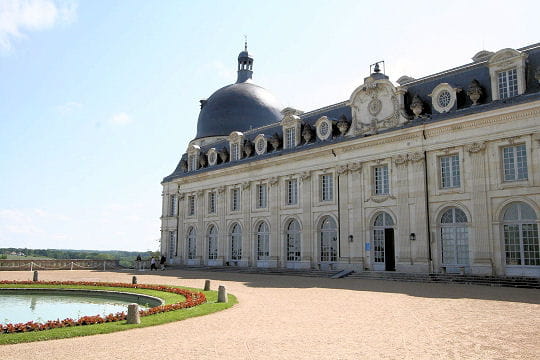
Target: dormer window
x=507 y=83
x=193 y=157
x=291 y=130
x=507 y=73
x=212 y=157
x=444 y=97
x=324 y=128
x=236 y=141
x=261 y=144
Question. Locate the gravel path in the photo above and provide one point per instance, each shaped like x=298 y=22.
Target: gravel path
x=288 y=317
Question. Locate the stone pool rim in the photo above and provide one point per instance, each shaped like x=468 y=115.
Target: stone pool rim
x=152 y=301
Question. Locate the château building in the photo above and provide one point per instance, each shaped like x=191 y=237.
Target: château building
x=437 y=174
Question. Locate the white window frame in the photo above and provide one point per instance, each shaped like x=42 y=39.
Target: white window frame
x=261 y=196
x=503 y=61
x=381 y=180
x=171 y=250
x=191 y=205
x=173 y=205
x=448 y=180
x=191 y=243
x=211 y=202
x=326 y=187
x=212 y=238
x=292 y=192
x=514 y=167
x=235 y=199
x=507 y=83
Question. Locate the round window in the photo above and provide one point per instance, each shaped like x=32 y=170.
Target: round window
x=212 y=157
x=323 y=129
x=444 y=98
x=260 y=145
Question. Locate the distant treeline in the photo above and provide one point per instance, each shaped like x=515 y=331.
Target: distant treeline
x=126 y=258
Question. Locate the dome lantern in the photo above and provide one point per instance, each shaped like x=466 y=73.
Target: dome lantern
x=245 y=65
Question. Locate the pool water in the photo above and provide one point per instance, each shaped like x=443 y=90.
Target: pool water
x=21 y=308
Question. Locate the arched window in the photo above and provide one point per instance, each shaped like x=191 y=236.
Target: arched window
x=454 y=237
x=192 y=243
x=236 y=242
x=382 y=230
x=212 y=243
x=328 y=237
x=520 y=227
x=293 y=241
x=263 y=246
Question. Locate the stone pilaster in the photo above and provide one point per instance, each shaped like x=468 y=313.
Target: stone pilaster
x=308 y=243
x=420 y=246
x=275 y=231
x=481 y=261
x=401 y=191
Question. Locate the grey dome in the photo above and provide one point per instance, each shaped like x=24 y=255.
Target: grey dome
x=237 y=107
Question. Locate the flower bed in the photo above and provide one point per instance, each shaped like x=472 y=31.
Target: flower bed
x=192 y=299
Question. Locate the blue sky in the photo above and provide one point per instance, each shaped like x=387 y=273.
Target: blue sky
x=99 y=99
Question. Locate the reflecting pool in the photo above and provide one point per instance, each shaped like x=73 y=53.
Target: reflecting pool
x=21 y=307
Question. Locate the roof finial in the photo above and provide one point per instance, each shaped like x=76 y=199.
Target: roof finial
x=245 y=42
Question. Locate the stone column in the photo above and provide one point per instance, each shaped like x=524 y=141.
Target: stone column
x=356 y=214
x=344 y=231
x=481 y=249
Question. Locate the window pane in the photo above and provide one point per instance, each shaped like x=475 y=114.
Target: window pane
x=511 y=244
x=531 y=248
x=381 y=180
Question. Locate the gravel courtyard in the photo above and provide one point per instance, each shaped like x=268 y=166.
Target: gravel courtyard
x=289 y=317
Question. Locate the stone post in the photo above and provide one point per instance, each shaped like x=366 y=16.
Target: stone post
x=207 y=285
x=133 y=314
x=36 y=276
x=222 y=294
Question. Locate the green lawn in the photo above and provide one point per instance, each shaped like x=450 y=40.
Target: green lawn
x=209 y=307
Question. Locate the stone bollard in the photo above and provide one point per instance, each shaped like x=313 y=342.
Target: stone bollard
x=36 y=275
x=133 y=314
x=134 y=280
x=222 y=295
x=207 y=285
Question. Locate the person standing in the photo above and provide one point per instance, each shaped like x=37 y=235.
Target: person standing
x=162 y=262
x=153 y=264
x=139 y=262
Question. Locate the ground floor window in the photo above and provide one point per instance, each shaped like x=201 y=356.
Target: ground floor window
x=192 y=244
x=520 y=231
x=454 y=237
x=293 y=241
x=263 y=237
x=172 y=245
x=236 y=242
x=212 y=243
x=328 y=242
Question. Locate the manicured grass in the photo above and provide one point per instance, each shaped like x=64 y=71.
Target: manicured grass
x=209 y=307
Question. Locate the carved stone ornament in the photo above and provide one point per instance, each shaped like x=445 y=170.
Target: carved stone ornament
x=343 y=125
x=224 y=154
x=474 y=92
x=275 y=141
x=416 y=156
x=248 y=148
x=400 y=159
x=181 y=196
x=475 y=147
x=273 y=180
x=246 y=185
x=199 y=193
x=212 y=156
x=417 y=106
x=306 y=175
x=355 y=166
x=512 y=140
x=307 y=133
x=290 y=120
x=183 y=165
x=202 y=160
x=381 y=198
x=221 y=189
x=342 y=169
x=376 y=105
x=235 y=136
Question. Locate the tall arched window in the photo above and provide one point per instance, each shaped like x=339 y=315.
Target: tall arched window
x=454 y=237
x=293 y=241
x=192 y=243
x=236 y=242
x=212 y=243
x=383 y=242
x=263 y=237
x=328 y=236
x=520 y=227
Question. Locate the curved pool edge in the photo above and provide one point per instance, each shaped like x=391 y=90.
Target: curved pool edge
x=146 y=300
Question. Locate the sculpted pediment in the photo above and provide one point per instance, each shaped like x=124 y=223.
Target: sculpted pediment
x=376 y=105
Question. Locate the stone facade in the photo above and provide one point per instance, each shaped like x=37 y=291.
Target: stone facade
x=403 y=188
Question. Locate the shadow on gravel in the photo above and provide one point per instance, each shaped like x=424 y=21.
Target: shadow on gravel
x=426 y=290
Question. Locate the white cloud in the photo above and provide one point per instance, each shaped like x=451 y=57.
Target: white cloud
x=120 y=119
x=17 y=17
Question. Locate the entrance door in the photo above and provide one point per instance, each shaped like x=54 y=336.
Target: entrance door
x=389 y=255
